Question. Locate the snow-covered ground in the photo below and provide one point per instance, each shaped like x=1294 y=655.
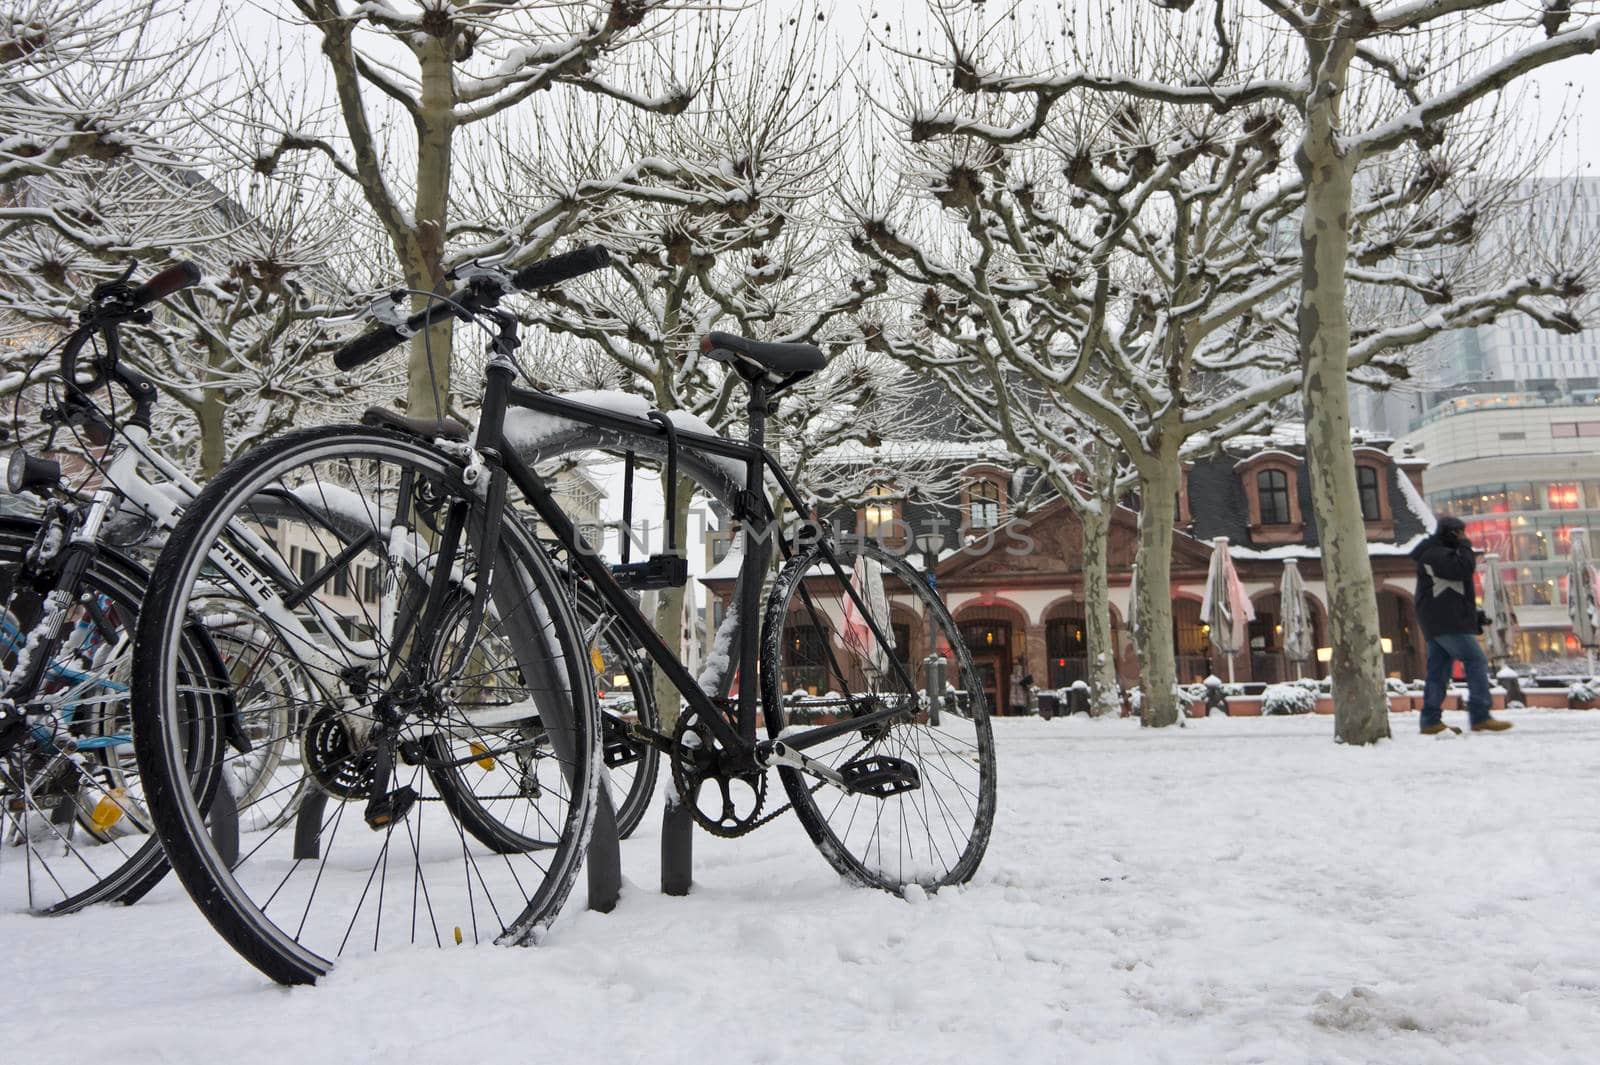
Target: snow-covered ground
x=1237 y=891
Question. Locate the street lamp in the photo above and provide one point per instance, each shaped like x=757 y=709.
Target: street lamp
x=933 y=666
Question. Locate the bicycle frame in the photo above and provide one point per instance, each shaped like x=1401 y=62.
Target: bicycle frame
x=754 y=511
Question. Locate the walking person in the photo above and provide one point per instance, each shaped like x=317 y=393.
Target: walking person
x=1447 y=610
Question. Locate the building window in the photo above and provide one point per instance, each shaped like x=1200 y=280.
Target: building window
x=1563 y=497
x=1272 y=489
x=1068 y=650
x=1367 y=485
x=805 y=660
x=310 y=562
x=984 y=505
x=878 y=516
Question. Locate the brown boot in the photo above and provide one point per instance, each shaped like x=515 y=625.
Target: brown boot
x=1438 y=727
x=1492 y=724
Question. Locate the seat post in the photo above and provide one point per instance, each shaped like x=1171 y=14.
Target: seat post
x=752 y=570
x=756 y=411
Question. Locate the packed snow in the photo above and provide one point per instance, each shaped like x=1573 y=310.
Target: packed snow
x=1241 y=890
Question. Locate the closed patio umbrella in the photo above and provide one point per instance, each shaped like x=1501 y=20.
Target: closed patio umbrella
x=1298 y=639
x=1133 y=600
x=1225 y=607
x=1502 y=627
x=1583 y=597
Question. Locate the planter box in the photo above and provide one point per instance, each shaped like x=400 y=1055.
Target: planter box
x=1324 y=704
x=1546 y=698
x=1244 y=706
x=1401 y=704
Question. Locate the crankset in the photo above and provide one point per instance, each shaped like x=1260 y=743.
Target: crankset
x=733 y=805
x=344 y=770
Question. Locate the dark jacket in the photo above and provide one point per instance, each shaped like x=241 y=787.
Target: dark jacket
x=1446 y=596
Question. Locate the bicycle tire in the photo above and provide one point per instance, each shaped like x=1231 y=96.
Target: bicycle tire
x=931 y=869
x=226 y=903
x=609 y=641
x=125 y=584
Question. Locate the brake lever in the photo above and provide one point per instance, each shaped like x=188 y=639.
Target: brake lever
x=387 y=311
x=108 y=288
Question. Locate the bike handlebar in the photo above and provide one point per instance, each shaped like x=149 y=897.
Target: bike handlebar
x=542 y=274
x=174 y=278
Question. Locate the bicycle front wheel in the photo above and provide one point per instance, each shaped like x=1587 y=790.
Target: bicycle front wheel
x=453 y=751
x=851 y=642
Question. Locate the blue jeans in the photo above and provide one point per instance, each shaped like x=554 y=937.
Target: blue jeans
x=1442 y=652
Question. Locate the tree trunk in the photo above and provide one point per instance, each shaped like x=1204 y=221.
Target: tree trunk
x=1361 y=710
x=1158 y=668
x=213 y=433
x=428 y=369
x=1105 y=698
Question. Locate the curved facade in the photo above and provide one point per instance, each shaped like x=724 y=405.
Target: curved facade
x=1522 y=473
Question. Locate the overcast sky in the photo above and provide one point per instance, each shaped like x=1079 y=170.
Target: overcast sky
x=1573 y=86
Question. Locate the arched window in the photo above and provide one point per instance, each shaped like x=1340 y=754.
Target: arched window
x=1272 y=489
x=984 y=505
x=1367 y=485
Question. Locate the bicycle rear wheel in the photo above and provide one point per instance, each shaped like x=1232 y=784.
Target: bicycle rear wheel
x=927 y=819
x=74 y=826
x=625 y=686
x=455 y=769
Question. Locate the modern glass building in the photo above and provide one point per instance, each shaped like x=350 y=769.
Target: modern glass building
x=1522 y=470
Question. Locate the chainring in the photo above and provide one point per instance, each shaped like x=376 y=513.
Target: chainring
x=695 y=761
x=333 y=760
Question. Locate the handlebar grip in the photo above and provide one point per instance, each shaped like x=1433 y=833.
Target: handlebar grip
x=174 y=278
x=561 y=268
x=542 y=274
x=366 y=347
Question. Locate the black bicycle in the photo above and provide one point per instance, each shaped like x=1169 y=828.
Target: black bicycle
x=455 y=726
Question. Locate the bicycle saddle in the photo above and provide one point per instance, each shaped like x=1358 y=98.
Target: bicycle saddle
x=775 y=358
x=427 y=428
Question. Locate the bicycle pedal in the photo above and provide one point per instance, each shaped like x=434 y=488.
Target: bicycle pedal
x=386 y=810
x=620 y=752
x=654 y=573
x=880 y=776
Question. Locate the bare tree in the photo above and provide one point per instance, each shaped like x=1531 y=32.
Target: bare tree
x=714 y=222
x=113 y=167
x=1200 y=195
x=84 y=81
x=415 y=84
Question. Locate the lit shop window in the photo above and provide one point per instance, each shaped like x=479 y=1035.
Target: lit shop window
x=1563 y=497
x=878 y=515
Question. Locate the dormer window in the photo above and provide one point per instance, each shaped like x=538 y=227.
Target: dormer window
x=1272 y=490
x=983 y=507
x=983 y=499
x=1371 y=500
